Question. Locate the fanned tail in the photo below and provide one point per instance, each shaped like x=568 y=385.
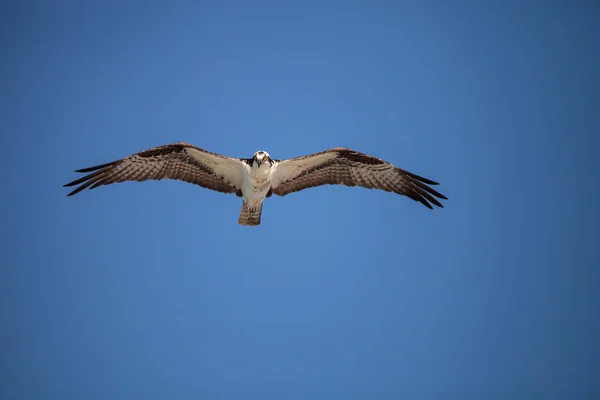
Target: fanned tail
x=250 y=214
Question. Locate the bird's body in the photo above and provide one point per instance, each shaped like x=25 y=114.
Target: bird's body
x=259 y=177
x=257 y=180
x=256 y=184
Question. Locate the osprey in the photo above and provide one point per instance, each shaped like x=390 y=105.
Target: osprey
x=257 y=178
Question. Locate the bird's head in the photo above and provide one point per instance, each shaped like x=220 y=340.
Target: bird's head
x=261 y=157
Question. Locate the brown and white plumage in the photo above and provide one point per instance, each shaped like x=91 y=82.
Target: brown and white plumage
x=180 y=161
x=257 y=178
x=347 y=167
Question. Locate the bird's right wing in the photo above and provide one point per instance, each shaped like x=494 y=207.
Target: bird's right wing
x=180 y=161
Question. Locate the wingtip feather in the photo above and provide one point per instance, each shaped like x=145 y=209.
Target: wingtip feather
x=74 y=192
x=95 y=168
x=426 y=204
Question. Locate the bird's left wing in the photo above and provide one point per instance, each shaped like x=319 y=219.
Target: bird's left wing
x=180 y=161
x=347 y=167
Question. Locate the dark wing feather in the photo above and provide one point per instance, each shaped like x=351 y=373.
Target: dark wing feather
x=180 y=161
x=342 y=166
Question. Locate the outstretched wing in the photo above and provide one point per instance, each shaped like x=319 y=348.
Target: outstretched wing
x=181 y=161
x=347 y=167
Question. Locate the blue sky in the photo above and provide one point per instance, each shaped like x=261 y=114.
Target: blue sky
x=154 y=291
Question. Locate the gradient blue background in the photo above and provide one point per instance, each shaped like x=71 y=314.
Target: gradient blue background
x=153 y=290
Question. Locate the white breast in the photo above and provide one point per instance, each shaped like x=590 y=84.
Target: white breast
x=257 y=182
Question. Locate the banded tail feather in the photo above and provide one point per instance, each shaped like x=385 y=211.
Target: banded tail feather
x=250 y=213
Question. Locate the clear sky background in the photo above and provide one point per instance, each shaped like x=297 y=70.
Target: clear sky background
x=152 y=290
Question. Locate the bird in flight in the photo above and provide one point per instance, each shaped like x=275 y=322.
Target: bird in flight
x=254 y=179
